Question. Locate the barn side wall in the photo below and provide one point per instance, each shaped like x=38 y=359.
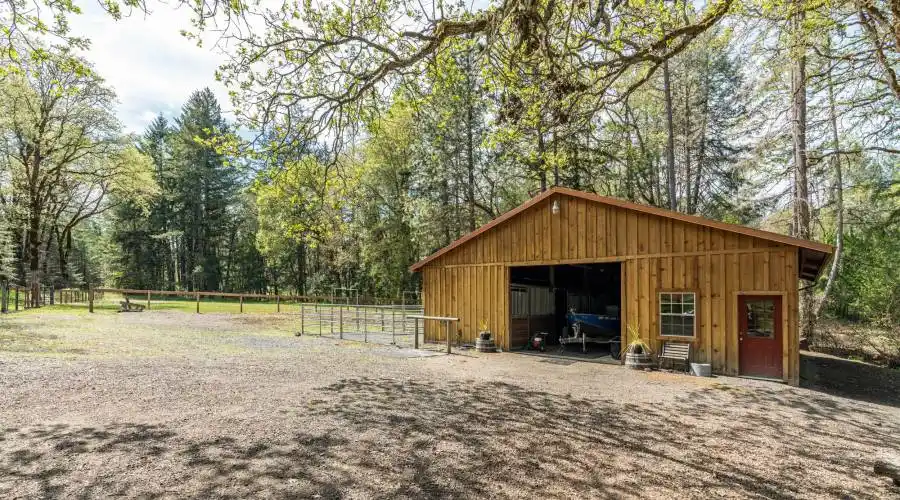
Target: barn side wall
x=474 y=294
x=658 y=254
x=717 y=279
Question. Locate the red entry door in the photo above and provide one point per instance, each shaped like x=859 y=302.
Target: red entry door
x=759 y=335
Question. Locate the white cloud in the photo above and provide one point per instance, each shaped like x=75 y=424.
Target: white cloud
x=152 y=68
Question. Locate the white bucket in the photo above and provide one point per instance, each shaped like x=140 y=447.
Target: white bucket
x=701 y=369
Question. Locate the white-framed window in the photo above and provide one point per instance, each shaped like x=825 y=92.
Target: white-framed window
x=677 y=314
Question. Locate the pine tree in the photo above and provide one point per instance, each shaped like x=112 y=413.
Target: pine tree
x=202 y=188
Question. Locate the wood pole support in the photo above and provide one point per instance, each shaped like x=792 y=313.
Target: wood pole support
x=242 y=303
x=447 y=329
x=198 y=302
x=91 y=299
x=278 y=304
x=148 y=300
x=416 y=333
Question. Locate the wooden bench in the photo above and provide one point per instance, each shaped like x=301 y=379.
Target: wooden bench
x=675 y=351
x=127 y=306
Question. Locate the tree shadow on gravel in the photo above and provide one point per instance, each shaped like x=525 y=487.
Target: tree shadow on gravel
x=381 y=438
x=851 y=379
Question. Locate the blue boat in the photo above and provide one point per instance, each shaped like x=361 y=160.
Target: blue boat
x=595 y=325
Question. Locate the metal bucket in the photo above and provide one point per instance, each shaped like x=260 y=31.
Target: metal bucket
x=701 y=369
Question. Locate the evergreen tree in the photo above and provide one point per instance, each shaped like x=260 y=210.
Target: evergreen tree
x=202 y=187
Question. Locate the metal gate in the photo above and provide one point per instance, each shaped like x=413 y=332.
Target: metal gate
x=390 y=325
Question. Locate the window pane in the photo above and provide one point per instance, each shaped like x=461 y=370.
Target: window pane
x=760 y=318
x=676 y=313
x=688 y=328
x=667 y=329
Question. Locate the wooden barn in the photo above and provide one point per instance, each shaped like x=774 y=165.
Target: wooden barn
x=729 y=291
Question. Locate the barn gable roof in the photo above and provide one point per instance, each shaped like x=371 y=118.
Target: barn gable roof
x=816 y=254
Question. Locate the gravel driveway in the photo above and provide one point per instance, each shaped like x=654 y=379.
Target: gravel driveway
x=174 y=405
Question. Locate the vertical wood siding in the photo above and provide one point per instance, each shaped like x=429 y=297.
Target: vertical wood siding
x=474 y=294
x=472 y=281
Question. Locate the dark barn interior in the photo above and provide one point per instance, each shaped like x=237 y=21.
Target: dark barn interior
x=542 y=298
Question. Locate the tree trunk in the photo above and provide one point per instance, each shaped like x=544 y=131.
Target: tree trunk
x=470 y=147
x=541 y=148
x=301 y=269
x=670 y=144
x=34 y=253
x=701 y=154
x=688 y=174
x=445 y=209
x=838 y=197
x=801 y=167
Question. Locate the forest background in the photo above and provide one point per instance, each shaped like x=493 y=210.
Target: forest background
x=369 y=134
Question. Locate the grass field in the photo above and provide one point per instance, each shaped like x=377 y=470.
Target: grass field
x=167 y=404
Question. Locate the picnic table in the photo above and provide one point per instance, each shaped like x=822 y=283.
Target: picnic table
x=127 y=306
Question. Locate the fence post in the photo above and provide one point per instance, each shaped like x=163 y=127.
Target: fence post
x=415 y=332
x=365 y=323
x=302 y=332
x=278 y=304
x=393 y=326
x=447 y=328
x=198 y=301
x=52 y=295
x=341 y=321
x=242 y=303
x=148 y=300
x=17 y=298
x=91 y=299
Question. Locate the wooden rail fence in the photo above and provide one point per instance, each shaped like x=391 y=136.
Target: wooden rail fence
x=88 y=296
x=23 y=297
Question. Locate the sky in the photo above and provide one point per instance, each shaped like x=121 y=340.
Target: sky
x=152 y=68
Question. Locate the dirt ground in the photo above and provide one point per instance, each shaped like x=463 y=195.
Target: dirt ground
x=173 y=405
